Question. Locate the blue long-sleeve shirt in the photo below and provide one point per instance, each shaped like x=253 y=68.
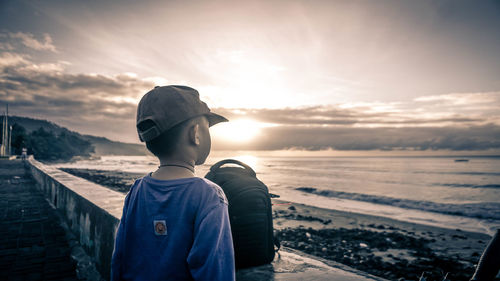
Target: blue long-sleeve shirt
x=174 y=230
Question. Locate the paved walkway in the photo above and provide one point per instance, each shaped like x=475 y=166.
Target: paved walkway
x=33 y=245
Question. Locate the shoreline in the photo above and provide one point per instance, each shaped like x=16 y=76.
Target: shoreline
x=381 y=246
x=410 y=249
x=413 y=215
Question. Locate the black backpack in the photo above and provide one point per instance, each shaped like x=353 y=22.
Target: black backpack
x=250 y=212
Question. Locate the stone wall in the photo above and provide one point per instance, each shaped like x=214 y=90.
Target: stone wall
x=92 y=212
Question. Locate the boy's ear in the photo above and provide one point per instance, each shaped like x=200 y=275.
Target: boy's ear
x=194 y=134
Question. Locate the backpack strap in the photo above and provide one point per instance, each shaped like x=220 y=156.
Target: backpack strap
x=277 y=243
x=219 y=164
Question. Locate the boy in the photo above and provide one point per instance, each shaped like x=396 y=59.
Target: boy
x=174 y=226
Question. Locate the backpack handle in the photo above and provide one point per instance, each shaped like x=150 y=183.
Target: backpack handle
x=232 y=161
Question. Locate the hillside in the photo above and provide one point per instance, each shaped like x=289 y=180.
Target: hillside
x=102 y=146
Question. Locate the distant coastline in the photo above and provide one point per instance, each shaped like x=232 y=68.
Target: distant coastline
x=100 y=145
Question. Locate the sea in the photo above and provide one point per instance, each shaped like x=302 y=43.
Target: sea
x=451 y=192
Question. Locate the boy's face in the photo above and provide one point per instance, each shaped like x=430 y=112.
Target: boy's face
x=205 y=141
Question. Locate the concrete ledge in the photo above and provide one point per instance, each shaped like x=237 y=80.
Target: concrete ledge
x=92 y=211
x=293 y=265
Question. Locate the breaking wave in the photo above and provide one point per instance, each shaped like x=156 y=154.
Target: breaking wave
x=488 y=210
x=470 y=185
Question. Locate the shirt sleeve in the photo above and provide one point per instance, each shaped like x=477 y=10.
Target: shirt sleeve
x=116 y=259
x=212 y=256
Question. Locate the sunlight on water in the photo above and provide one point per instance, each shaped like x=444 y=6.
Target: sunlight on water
x=250 y=160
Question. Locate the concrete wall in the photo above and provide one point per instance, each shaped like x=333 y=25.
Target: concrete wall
x=93 y=212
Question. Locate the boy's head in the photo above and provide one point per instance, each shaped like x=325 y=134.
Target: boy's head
x=173 y=120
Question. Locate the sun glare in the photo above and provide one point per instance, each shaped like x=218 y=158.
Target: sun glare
x=250 y=160
x=242 y=130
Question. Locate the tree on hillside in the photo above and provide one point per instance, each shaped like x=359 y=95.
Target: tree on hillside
x=73 y=145
x=43 y=144
x=46 y=145
x=19 y=138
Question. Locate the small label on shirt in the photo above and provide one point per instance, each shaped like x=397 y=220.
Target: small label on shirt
x=160 y=227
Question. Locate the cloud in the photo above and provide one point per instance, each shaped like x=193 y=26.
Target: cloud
x=89 y=103
x=389 y=139
x=297 y=116
x=456 y=122
x=9 y=59
x=452 y=109
x=462 y=99
x=105 y=105
x=29 y=40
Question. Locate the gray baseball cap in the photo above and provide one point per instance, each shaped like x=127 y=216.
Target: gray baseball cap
x=168 y=106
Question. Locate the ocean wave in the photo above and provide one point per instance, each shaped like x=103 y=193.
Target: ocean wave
x=488 y=210
x=469 y=185
x=468 y=173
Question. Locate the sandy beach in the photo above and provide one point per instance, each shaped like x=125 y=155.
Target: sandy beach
x=384 y=247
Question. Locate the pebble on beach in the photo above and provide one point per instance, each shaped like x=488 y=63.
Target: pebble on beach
x=375 y=252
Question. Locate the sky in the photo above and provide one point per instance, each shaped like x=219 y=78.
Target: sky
x=290 y=75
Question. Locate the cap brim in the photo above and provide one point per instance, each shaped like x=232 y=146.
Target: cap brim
x=214 y=118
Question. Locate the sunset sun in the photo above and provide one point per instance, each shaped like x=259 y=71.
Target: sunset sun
x=241 y=130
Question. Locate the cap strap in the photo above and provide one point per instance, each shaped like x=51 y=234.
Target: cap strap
x=149 y=134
